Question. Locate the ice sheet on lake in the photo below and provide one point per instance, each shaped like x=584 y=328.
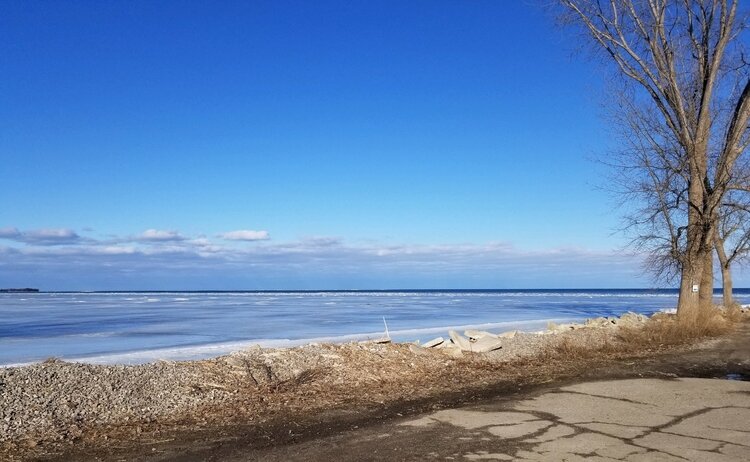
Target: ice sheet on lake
x=139 y=327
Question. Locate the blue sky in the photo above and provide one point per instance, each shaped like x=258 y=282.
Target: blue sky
x=251 y=145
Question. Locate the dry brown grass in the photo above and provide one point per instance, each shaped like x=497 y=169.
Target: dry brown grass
x=660 y=332
x=570 y=349
x=671 y=330
x=733 y=313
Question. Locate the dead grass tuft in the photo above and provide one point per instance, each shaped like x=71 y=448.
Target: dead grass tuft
x=675 y=330
x=660 y=332
x=305 y=377
x=733 y=313
x=572 y=349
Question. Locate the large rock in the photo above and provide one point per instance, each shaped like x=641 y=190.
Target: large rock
x=486 y=344
x=482 y=345
x=477 y=334
x=434 y=342
x=631 y=319
x=462 y=342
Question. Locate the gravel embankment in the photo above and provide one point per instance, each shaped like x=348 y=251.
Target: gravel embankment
x=56 y=402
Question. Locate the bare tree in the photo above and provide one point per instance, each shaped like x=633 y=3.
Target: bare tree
x=732 y=238
x=649 y=177
x=683 y=60
x=649 y=171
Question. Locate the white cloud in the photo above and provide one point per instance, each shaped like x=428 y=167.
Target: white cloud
x=322 y=262
x=52 y=233
x=245 y=235
x=117 y=250
x=326 y=263
x=157 y=235
x=44 y=236
x=322 y=241
x=9 y=233
x=319 y=261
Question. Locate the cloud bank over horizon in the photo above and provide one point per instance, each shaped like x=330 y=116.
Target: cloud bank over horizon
x=61 y=259
x=157 y=235
x=44 y=236
x=245 y=235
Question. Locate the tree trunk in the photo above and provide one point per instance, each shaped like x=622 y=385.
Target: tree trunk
x=726 y=271
x=688 y=304
x=726 y=281
x=706 y=291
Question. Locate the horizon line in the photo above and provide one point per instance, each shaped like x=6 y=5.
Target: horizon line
x=360 y=290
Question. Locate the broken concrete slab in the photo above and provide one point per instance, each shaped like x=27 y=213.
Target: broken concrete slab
x=486 y=344
x=434 y=342
x=482 y=345
x=477 y=334
x=462 y=342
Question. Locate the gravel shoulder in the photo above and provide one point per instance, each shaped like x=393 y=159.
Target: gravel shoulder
x=265 y=398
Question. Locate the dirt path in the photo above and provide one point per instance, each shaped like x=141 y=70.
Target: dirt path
x=388 y=432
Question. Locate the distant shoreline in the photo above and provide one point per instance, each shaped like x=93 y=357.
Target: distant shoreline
x=717 y=291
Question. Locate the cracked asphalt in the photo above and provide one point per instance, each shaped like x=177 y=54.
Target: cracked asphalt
x=617 y=420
